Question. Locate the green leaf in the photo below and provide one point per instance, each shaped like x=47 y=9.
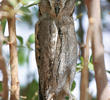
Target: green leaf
x=108 y=71
x=25 y=10
x=28 y=44
x=82 y=60
x=90 y=66
x=3 y=23
x=27 y=2
x=79 y=16
x=73 y=85
x=1 y=86
x=79 y=67
x=22 y=56
x=91 y=59
x=67 y=98
x=31 y=91
x=20 y=39
x=27 y=18
x=31 y=38
x=77 y=3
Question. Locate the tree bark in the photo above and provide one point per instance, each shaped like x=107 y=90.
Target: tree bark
x=103 y=90
x=13 y=59
x=56 y=49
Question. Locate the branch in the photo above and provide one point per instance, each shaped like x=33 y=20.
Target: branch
x=4 y=72
x=103 y=90
x=84 y=75
x=13 y=59
x=5 y=78
x=4 y=14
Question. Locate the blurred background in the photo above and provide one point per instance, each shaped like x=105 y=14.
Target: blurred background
x=25 y=28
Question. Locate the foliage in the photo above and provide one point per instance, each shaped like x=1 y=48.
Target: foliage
x=29 y=2
x=23 y=51
x=21 y=55
x=67 y=98
x=30 y=91
x=73 y=85
x=24 y=11
x=3 y=23
x=1 y=87
x=20 y=40
x=31 y=40
x=80 y=65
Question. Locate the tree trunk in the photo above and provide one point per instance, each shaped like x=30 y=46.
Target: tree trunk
x=103 y=90
x=56 y=49
x=13 y=59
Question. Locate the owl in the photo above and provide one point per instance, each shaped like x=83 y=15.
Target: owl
x=56 y=50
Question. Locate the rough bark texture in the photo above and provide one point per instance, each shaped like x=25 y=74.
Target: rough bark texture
x=13 y=60
x=103 y=90
x=56 y=49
